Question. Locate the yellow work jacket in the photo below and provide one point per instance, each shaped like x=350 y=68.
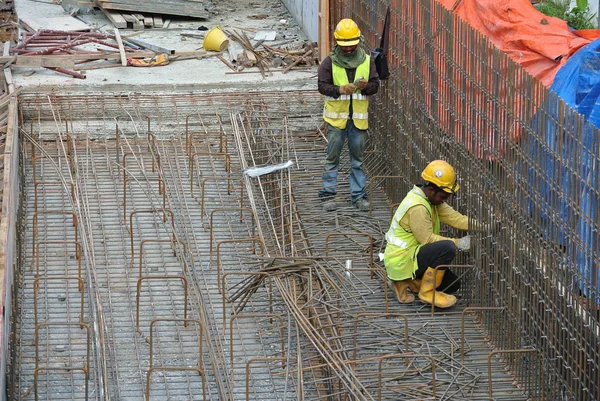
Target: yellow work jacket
x=400 y=257
x=337 y=111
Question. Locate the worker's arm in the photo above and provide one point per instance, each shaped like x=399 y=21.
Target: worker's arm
x=325 y=79
x=418 y=220
x=373 y=85
x=451 y=217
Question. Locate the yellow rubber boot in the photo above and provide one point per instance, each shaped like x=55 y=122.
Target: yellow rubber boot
x=402 y=295
x=428 y=286
x=414 y=285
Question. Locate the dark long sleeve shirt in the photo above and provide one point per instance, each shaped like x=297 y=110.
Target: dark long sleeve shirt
x=325 y=79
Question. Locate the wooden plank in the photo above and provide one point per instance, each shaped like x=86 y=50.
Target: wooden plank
x=115 y=18
x=324 y=44
x=164 y=7
x=129 y=18
x=121 y=47
x=149 y=22
x=149 y=46
x=41 y=61
x=158 y=22
x=137 y=24
x=55 y=23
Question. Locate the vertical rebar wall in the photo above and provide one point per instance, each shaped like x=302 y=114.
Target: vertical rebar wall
x=523 y=158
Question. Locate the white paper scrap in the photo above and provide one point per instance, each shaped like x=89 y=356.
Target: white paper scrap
x=258 y=171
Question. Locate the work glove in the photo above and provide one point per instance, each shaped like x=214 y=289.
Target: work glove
x=361 y=84
x=347 y=89
x=464 y=243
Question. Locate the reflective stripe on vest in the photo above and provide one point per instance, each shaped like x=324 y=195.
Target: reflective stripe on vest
x=331 y=114
x=396 y=235
x=401 y=251
x=337 y=111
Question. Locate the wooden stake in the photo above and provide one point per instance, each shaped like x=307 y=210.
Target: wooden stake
x=121 y=47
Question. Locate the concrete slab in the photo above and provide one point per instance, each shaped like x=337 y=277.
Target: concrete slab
x=248 y=16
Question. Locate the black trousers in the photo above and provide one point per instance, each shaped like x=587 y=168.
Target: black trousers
x=435 y=254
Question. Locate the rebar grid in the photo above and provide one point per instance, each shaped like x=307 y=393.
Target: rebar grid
x=523 y=158
x=318 y=302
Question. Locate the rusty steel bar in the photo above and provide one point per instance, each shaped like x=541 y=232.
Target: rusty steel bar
x=252 y=241
x=77 y=254
x=226 y=156
x=66 y=369
x=159 y=179
x=242 y=210
x=86 y=366
x=224 y=290
x=173 y=369
x=372 y=182
x=152 y=278
x=376 y=315
x=34 y=160
x=185 y=321
x=505 y=351
x=462 y=326
x=158 y=241
x=228 y=180
x=249 y=363
x=371 y=262
x=163 y=211
x=190 y=135
x=41 y=183
x=406 y=356
x=36 y=287
x=48 y=213
x=255 y=316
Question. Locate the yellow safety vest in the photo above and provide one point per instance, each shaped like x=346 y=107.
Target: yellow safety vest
x=400 y=257
x=337 y=111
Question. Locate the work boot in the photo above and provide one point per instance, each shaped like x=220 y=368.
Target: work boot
x=428 y=286
x=362 y=204
x=400 y=288
x=329 y=205
x=414 y=286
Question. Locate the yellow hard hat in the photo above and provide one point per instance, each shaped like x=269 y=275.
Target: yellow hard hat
x=347 y=33
x=442 y=174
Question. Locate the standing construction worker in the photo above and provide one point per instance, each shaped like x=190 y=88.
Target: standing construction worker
x=346 y=77
x=415 y=248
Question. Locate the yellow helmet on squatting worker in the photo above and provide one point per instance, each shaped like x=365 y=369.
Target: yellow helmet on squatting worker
x=347 y=33
x=442 y=174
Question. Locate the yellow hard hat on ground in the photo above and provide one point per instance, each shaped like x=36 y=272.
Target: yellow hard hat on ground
x=347 y=33
x=442 y=174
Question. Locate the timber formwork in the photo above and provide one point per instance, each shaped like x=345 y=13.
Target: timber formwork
x=157 y=263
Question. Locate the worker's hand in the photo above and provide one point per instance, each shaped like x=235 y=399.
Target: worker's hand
x=347 y=89
x=464 y=243
x=361 y=84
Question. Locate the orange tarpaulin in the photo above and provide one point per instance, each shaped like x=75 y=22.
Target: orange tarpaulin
x=541 y=44
x=488 y=110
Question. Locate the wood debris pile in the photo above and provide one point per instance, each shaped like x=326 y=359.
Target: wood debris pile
x=125 y=20
x=269 y=58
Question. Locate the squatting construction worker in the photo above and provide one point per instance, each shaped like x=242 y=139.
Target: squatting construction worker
x=414 y=247
x=346 y=77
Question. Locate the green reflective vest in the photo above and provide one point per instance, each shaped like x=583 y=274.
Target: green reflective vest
x=337 y=111
x=400 y=257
